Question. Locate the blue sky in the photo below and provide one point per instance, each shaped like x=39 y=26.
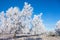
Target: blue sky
x=49 y=8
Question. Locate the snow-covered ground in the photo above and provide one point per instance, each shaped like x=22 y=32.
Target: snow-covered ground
x=40 y=37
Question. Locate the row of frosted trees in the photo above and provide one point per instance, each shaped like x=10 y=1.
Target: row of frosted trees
x=21 y=21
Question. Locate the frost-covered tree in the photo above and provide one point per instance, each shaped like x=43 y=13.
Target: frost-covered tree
x=58 y=24
x=58 y=28
x=26 y=16
x=38 y=26
x=20 y=21
x=2 y=22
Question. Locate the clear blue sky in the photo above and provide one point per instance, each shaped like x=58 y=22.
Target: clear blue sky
x=49 y=8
